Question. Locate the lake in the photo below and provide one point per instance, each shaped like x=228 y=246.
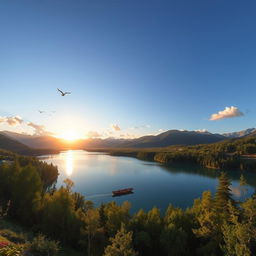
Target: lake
x=95 y=175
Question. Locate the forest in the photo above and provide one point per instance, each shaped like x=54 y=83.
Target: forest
x=63 y=222
x=235 y=154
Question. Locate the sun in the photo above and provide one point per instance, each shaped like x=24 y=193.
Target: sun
x=69 y=136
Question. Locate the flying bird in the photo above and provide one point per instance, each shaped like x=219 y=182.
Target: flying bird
x=63 y=93
x=41 y=111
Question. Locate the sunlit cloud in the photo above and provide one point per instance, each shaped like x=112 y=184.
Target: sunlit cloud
x=115 y=127
x=38 y=129
x=228 y=112
x=11 y=121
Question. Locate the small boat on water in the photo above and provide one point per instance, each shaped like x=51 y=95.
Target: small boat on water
x=122 y=192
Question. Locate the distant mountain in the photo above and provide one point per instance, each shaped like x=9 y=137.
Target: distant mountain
x=240 y=133
x=168 y=138
x=39 y=142
x=10 y=144
x=165 y=139
x=175 y=137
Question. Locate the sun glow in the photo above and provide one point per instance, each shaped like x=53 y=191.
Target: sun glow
x=70 y=136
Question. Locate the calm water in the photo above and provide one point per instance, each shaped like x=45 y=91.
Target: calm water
x=95 y=175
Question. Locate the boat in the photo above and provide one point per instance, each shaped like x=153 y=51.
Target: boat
x=122 y=192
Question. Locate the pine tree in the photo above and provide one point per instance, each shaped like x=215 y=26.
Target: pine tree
x=242 y=180
x=121 y=244
x=223 y=195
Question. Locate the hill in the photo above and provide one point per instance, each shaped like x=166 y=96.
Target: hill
x=165 y=139
x=32 y=141
x=174 y=137
x=169 y=138
x=10 y=144
x=42 y=142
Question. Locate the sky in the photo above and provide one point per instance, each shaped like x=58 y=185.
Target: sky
x=132 y=67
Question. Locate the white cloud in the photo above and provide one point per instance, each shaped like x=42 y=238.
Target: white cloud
x=38 y=129
x=11 y=120
x=115 y=127
x=228 y=112
x=93 y=134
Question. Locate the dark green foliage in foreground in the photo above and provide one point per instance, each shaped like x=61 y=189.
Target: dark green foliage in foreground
x=41 y=246
x=215 y=225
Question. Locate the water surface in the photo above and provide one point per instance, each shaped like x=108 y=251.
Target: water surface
x=95 y=175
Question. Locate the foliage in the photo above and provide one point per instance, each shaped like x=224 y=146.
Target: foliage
x=13 y=236
x=121 y=244
x=223 y=195
x=12 y=250
x=229 y=154
x=42 y=246
x=214 y=225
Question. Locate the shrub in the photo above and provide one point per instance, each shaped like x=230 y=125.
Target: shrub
x=12 y=236
x=3 y=244
x=42 y=246
x=11 y=250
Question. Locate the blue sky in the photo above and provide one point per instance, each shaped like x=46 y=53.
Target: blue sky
x=142 y=65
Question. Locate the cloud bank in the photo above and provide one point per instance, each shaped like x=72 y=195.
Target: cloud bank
x=228 y=112
x=11 y=120
x=38 y=129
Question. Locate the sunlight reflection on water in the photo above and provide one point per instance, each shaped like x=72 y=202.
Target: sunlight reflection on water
x=69 y=163
x=96 y=175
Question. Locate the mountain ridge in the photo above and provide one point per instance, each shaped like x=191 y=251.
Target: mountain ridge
x=164 y=139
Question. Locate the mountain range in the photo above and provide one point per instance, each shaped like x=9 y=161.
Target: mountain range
x=23 y=143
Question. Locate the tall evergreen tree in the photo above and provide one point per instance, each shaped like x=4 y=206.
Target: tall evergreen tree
x=223 y=195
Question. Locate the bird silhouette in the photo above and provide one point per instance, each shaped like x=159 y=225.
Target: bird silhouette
x=41 y=111
x=63 y=93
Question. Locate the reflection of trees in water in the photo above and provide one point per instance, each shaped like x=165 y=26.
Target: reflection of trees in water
x=212 y=173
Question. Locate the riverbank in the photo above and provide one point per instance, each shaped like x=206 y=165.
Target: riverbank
x=197 y=155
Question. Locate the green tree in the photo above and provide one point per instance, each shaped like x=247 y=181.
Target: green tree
x=236 y=239
x=115 y=216
x=207 y=229
x=223 y=196
x=174 y=240
x=59 y=217
x=26 y=194
x=242 y=180
x=121 y=244
x=91 y=230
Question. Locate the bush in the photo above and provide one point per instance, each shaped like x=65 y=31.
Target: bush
x=12 y=236
x=12 y=250
x=3 y=244
x=42 y=246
